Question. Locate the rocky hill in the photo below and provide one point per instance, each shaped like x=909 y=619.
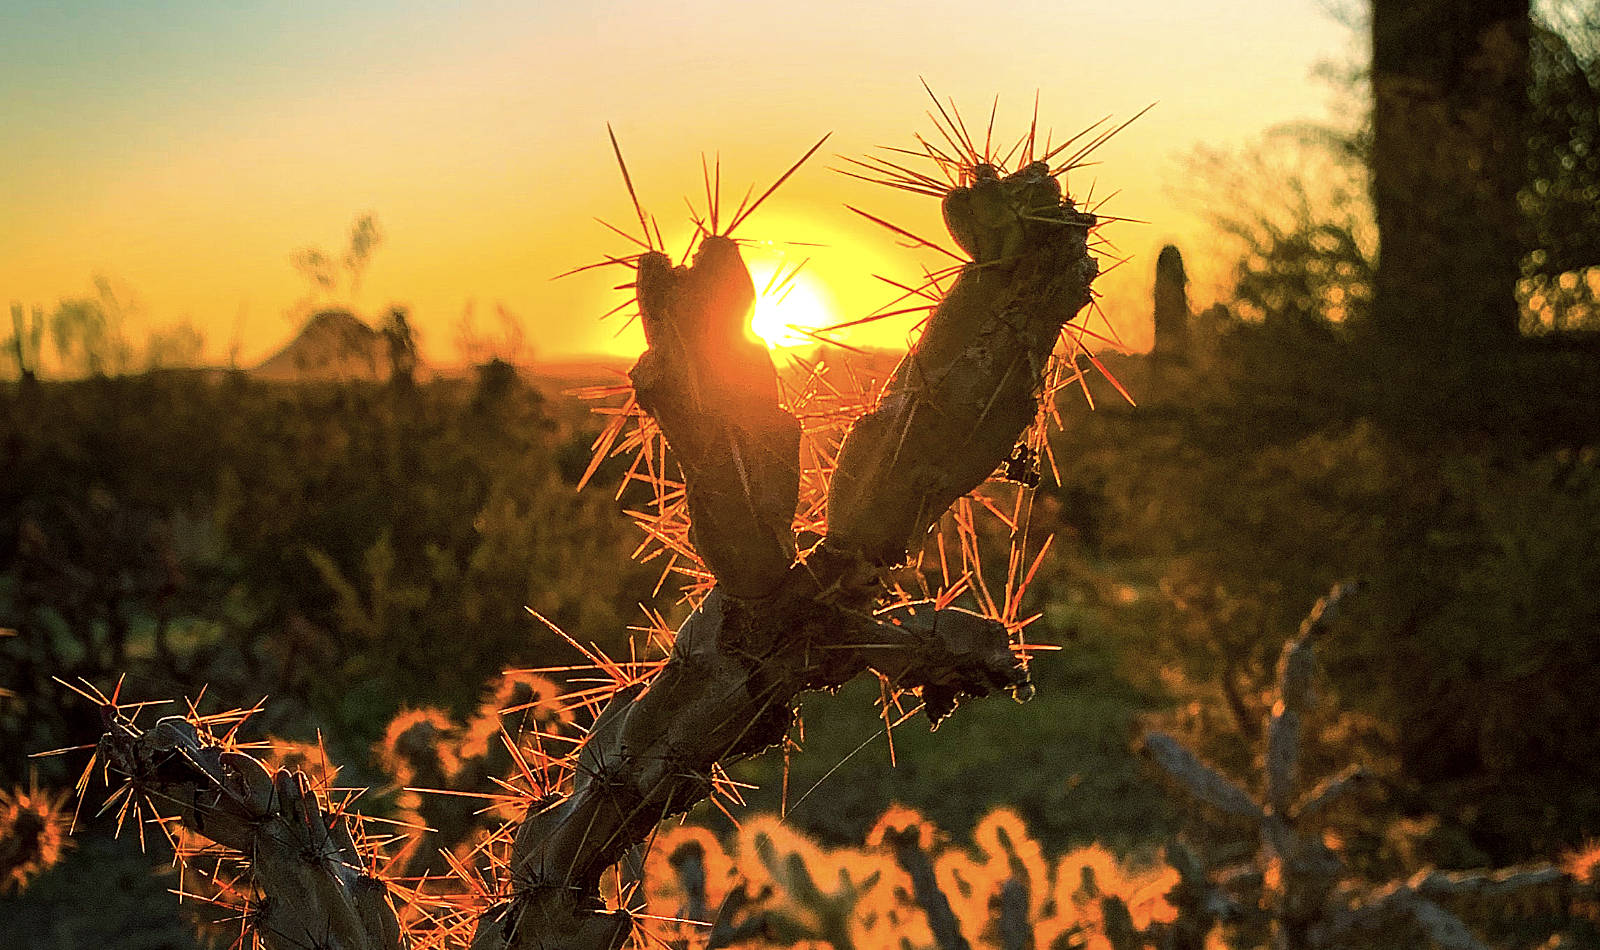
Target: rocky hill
x=334 y=344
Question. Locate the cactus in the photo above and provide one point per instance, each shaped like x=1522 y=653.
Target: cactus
x=1310 y=901
x=777 y=624
x=33 y=826
x=907 y=887
x=909 y=838
x=308 y=857
x=815 y=911
x=26 y=340
x=1171 y=304
x=445 y=771
x=772 y=619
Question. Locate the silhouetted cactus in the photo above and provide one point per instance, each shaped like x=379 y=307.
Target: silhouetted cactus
x=775 y=626
x=1171 y=304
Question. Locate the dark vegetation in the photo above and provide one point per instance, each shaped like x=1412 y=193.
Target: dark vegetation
x=350 y=548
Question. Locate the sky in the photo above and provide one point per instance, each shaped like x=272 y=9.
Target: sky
x=187 y=150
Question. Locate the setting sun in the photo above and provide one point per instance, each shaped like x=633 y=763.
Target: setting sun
x=789 y=301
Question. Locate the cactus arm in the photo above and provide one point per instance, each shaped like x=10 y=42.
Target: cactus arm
x=925 y=890
x=714 y=393
x=1198 y=779
x=1400 y=906
x=957 y=403
x=1316 y=803
x=302 y=857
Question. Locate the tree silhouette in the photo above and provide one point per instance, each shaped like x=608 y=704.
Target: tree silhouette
x=1450 y=120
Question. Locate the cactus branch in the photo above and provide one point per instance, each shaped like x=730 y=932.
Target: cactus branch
x=1198 y=779
x=957 y=403
x=714 y=393
x=305 y=859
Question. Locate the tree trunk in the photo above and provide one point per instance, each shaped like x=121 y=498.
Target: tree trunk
x=1449 y=83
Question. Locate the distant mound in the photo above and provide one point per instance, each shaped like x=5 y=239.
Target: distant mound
x=334 y=344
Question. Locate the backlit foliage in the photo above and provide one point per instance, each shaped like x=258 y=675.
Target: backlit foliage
x=773 y=882
x=33 y=827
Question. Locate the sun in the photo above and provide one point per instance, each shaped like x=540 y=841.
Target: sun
x=789 y=302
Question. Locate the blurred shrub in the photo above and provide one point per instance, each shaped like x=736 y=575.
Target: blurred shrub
x=1295 y=462
x=348 y=548
x=910 y=885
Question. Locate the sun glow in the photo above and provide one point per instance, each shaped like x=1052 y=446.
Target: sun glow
x=789 y=302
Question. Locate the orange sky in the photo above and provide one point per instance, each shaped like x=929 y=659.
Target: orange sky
x=186 y=151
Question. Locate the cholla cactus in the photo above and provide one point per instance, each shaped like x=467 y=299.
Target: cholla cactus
x=1009 y=896
x=908 y=886
x=1310 y=898
x=305 y=854
x=529 y=699
x=33 y=834
x=772 y=619
x=779 y=621
x=445 y=772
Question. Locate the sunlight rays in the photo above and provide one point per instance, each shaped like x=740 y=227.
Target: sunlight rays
x=791 y=305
